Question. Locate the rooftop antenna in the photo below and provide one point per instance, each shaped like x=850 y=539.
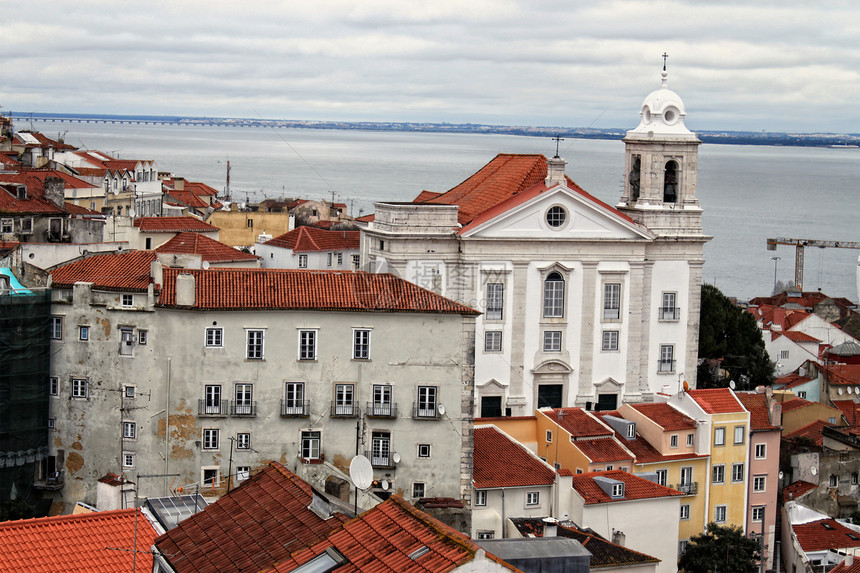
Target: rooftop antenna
x=557 y=140
x=665 y=57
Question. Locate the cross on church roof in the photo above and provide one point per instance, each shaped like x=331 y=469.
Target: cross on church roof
x=557 y=139
x=665 y=57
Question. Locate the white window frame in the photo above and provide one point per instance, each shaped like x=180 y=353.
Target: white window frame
x=214 y=337
x=673 y=441
x=127 y=300
x=759 y=483
x=344 y=399
x=554 y=290
x=617 y=490
x=427 y=405
x=7 y=225
x=83 y=332
x=721 y=513
x=26 y=225
x=243 y=441
x=556 y=217
x=216 y=481
x=129 y=430
x=303 y=261
x=255 y=344
x=721 y=470
x=294 y=398
x=685 y=511
x=243 y=473
x=552 y=340
x=57 y=327
x=761 y=451
x=212 y=398
x=609 y=342
x=126 y=341
x=611 y=302
x=495 y=301
x=128 y=459
x=380 y=448
x=129 y=392
x=142 y=337
x=549 y=436
x=666 y=360
x=668 y=306
x=80 y=388
x=493 y=341
x=310 y=446
x=243 y=393
x=211 y=439
x=480 y=497
x=738 y=473
x=53 y=385
x=382 y=404
x=688 y=470
x=361 y=344
x=307 y=344
x=424 y=451
x=52 y=423
x=757 y=513
x=532 y=498
x=720 y=436
x=662 y=477
x=690 y=438
x=740 y=434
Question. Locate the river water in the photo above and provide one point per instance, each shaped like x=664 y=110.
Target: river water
x=748 y=193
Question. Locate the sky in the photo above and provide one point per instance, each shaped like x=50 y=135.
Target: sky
x=792 y=65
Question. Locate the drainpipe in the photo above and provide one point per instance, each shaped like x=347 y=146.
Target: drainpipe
x=504 y=529
x=167 y=428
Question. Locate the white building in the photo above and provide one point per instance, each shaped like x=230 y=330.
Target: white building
x=310 y=248
x=584 y=304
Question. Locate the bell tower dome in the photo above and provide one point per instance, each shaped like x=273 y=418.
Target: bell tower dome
x=661 y=161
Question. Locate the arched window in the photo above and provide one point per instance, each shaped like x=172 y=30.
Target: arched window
x=670 y=182
x=635 y=176
x=553 y=295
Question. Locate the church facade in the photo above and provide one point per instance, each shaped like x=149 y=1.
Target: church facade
x=584 y=304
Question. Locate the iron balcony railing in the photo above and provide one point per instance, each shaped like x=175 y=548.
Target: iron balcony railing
x=380 y=459
x=295 y=408
x=425 y=411
x=212 y=408
x=691 y=488
x=381 y=410
x=243 y=408
x=344 y=409
x=54 y=481
x=668 y=313
x=666 y=366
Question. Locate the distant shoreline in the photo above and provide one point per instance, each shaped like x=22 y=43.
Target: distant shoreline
x=831 y=140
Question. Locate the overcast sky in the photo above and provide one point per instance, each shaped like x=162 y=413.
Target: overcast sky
x=791 y=65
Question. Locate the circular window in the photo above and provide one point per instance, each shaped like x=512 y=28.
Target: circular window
x=556 y=216
x=670 y=115
x=646 y=114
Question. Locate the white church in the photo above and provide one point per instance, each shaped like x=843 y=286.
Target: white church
x=583 y=304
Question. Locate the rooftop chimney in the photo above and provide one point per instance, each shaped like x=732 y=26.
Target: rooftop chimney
x=550 y=526
x=186 y=287
x=555 y=171
x=849 y=560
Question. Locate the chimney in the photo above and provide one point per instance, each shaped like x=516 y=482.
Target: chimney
x=555 y=171
x=179 y=183
x=55 y=191
x=849 y=560
x=156 y=272
x=186 y=287
x=550 y=526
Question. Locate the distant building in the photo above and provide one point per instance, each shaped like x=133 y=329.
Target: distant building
x=311 y=248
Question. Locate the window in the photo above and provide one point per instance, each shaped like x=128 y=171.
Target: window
x=682 y=547
x=549 y=436
x=690 y=439
x=618 y=490
x=310 y=447
x=254 y=344
x=329 y=259
x=418 y=489
x=719 y=474
x=56 y=328
x=128 y=300
x=784 y=354
x=303 y=261
x=344 y=400
x=141 y=337
x=79 y=388
x=720 y=513
x=210 y=439
x=610 y=341
x=307 y=345
x=834 y=480
x=685 y=511
x=127 y=459
x=555 y=217
x=381 y=405
x=244 y=405
x=243 y=441
x=211 y=477
x=737 y=472
x=758 y=513
x=493 y=341
x=212 y=399
x=854 y=478
x=426 y=402
x=480 y=497
x=673 y=441
x=552 y=341
x=54 y=386
x=611 y=301
x=668 y=310
x=662 y=477
x=801 y=394
x=495 y=301
x=719 y=436
x=126 y=341
x=759 y=483
x=214 y=337
x=84 y=332
x=361 y=344
x=423 y=450
x=760 y=451
x=553 y=296
x=26 y=225
x=130 y=392
x=486 y=534
x=667 y=358
x=686 y=476
x=7 y=226
x=52 y=423
x=532 y=497
x=356 y=261
x=129 y=430
x=243 y=473
x=294 y=399
x=380 y=449
x=740 y=431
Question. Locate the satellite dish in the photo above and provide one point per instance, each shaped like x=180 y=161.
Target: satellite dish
x=361 y=472
x=857 y=390
x=839 y=391
x=813 y=470
x=686 y=386
x=396 y=457
x=441 y=409
x=781 y=475
x=205 y=265
x=732 y=384
x=848 y=389
x=131 y=212
x=385 y=484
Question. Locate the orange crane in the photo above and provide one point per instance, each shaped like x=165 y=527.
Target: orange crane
x=799 y=245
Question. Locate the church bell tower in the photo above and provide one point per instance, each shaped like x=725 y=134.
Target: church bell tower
x=661 y=161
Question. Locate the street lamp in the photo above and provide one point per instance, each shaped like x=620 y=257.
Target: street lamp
x=775 y=263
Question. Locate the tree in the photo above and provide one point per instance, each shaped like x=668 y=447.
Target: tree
x=721 y=549
x=729 y=334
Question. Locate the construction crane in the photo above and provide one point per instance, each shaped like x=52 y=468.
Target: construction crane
x=799 y=245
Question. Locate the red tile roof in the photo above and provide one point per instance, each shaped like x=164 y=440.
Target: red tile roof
x=844 y=568
x=98 y=542
x=499 y=461
x=665 y=416
x=209 y=250
x=812 y=433
x=756 y=403
x=123 y=272
x=69 y=181
x=795 y=336
x=850 y=409
x=825 y=534
x=794 y=404
x=716 y=400
x=172 y=225
x=34 y=204
x=189 y=199
x=792 y=381
x=843 y=374
x=382 y=539
x=578 y=422
x=78 y=210
x=257 y=525
x=311 y=239
x=603 y=450
x=283 y=289
x=635 y=487
x=797 y=489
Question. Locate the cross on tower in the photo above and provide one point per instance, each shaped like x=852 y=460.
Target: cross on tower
x=665 y=57
x=557 y=139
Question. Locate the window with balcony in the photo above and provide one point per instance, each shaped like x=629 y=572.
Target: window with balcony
x=344 y=400
x=294 y=400
x=254 y=341
x=380 y=449
x=212 y=405
x=426 y=406
x=361 y=344
x=612 y=301
x=668 y=310
x=310 y=446
x=382 y=405
x=666 y=364
x=307 y=345
x=553 y=296
x=244 y=402
x=495 y=301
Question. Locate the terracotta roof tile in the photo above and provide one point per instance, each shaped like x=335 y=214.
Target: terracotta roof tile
x=97 y=542
x=825 y=534
x=843 y=374
x=795 y=336
x=78 y=210
x=797 y=489
x=35 y=202
x=844 y=568
x=210 y=250
x=716 y=400
x=792 y=381
x=756 y=403
x=239 y=289
x=578 y=422
x=850 y=409
x=794 y=404
x=603 y=450
x=499 y=461
x=311 y=239
x=172 y=225
x=635 y=487
x=665 y=416
x=124 y=272
x=812 y=433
